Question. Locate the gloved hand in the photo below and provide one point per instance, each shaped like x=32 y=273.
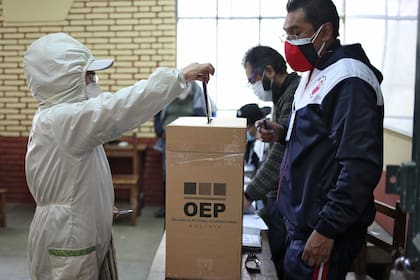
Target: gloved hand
x=197 y=71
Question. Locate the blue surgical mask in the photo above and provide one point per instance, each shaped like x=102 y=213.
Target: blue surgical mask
x=249 y=137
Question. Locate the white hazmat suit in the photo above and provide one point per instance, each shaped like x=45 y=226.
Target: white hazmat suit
x=66 y=168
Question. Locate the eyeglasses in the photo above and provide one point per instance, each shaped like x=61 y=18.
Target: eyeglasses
x=253 y=77
x=91 y=77
x=286 y=37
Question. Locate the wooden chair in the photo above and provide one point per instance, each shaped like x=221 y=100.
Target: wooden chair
x=395 y=249
x=3 y=207
x=127 y=181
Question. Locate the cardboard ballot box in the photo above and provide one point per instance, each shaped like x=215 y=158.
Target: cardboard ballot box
x=204 y=190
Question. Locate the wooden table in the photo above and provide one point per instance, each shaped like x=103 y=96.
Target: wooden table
x=131 y=180
x=268 y=271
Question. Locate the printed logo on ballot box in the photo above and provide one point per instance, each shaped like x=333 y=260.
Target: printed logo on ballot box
x=204 y=206
x=204 y=199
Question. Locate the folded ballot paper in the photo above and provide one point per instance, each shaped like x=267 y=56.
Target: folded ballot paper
x=209 y=113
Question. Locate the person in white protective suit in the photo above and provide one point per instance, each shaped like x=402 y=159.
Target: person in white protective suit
x=66 y=167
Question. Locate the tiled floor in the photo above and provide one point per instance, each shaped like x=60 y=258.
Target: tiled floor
x=135 y=245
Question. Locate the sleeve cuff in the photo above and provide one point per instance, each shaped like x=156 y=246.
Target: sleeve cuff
x=183 y=83
x=282 y=140
x=248 y=197
x=326 y=229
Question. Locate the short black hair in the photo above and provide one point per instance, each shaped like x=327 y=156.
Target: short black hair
x=317 y=12
x=260 y=57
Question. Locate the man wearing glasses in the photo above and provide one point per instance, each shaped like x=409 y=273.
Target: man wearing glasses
x=267 y=74
x=334 y=151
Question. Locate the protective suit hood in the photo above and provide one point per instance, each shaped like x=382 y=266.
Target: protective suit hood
x=55 y=67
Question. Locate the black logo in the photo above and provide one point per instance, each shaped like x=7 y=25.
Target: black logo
x=213 y=193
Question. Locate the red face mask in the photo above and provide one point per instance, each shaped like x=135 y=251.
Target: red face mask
x=301 y=54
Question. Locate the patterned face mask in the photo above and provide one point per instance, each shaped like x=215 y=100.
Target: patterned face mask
x=301 y=54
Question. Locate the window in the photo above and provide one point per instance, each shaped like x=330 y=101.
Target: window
x=221 y=31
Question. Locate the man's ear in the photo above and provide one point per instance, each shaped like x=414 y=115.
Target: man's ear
x=327 y=32
x=270 y=72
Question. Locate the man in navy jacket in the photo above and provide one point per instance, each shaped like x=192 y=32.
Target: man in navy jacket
x=334 y=145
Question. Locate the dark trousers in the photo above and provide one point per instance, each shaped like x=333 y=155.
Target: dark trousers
x=346 y=247
x=276 y=234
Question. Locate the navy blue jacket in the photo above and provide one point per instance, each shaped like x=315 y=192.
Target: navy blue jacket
x=334 y=153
